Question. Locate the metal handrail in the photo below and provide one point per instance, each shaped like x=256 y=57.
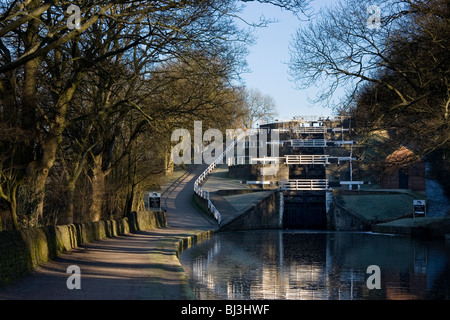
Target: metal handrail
x=311 y=143
x=307 y=159
x=304 y=118
x=311 y=130
x=204 y=194
x=304 y=184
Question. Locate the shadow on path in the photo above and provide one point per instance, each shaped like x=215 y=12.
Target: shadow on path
x=136 y=266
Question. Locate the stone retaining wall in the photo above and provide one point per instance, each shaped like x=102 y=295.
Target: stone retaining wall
x=341 y=218
x=23 y=250
x=263 y=215
x=426 y=227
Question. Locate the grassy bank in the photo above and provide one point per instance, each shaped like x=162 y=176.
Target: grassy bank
x=428 y=227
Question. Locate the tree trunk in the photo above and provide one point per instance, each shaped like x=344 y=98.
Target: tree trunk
x=67 y=217
x=130 y=198
x=168 y=162
x=12 y=204
x=29 y=107
x=39 y=169
x=98 y=189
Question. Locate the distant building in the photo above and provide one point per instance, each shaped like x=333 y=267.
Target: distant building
x=403 y=169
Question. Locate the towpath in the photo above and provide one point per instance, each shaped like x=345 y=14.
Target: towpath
x=136 y=266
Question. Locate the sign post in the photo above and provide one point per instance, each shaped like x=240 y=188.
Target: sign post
x=420 y=208
x=154 y=201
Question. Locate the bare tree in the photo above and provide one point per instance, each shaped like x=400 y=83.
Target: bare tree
x=45 y=66
x=257 y=106
x=397 y=71
x=402 y=61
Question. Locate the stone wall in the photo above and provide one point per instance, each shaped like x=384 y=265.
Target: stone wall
x=364 y=214
x=264 y=215
x=23 y=250
x=425 y=227
x=341 y=218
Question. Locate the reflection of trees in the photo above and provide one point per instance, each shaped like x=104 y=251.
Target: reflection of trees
x=362 y=250
x=322 y=265
x=409 y=267
x=438 y=265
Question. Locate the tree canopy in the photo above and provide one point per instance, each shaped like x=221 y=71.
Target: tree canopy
x=397 y=73
x=90 y=90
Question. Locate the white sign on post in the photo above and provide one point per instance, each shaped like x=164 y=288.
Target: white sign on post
x=154 y=201
x=420 y=208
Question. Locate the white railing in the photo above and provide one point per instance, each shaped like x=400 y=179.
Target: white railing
x=352 y=183
x=340 y=143
x=266 y=160
x=233 y=161
x=282 y=130
x=204 y=194
x=340 y=129
x=307 y=159
x=310 y=143
x=290 y=159
x=304 y=184
x=311 y=130
x=305 y=118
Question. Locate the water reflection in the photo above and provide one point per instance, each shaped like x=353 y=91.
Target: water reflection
x=316 y=265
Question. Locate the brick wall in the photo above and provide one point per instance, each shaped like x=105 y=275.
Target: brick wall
x=416 y=177
x=405 y=161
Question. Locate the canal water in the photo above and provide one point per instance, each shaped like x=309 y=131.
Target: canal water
x=315 y=265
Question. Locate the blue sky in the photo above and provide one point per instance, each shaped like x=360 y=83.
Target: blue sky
x=268 y=60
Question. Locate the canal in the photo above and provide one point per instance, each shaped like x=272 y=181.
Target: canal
x=316 y=265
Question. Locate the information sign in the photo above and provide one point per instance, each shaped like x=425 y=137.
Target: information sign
x=420 y=208
x=154 y=201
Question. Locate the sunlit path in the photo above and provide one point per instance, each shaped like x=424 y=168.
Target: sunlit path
x=137 y=266
x=177 y=200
